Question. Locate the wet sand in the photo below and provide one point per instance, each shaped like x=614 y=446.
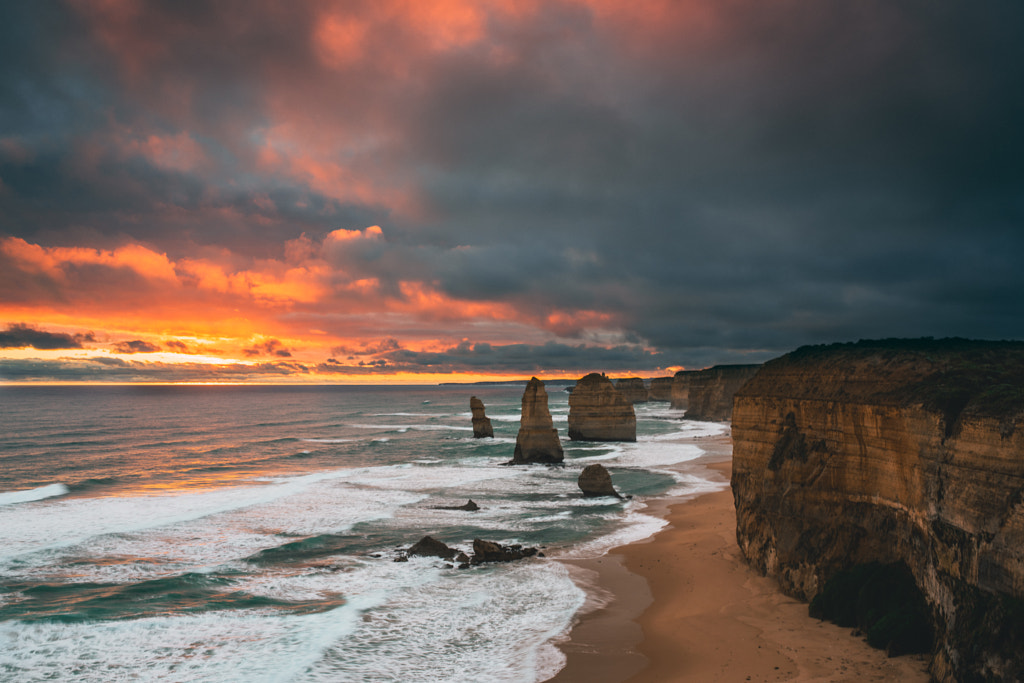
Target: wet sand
x=683 y=606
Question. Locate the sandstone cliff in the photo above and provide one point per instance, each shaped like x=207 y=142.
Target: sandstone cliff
x=895 y=451
x=660 y=389
x=710 y=391
x=632 y=389
x=598 y=412
x=481 y=423
x=680 y=394
x=537 y=440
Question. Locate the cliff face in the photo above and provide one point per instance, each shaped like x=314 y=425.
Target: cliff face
x=680 y=393
x=898 y=451
x=598 y=412
x=710 y=391
x=660 y=389
x=632 y=389
x=537 y=440
x=481 y=423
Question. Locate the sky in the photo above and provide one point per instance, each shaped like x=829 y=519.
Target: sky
x=417 y=191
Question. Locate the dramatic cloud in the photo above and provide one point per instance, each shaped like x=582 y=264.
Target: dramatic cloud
x=23 y=336
x=400 y=183
x=136 y=346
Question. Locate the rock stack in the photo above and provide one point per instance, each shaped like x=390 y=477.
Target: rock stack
x=481 y=423
x=711 y=391
x=660 y=389
x=538 y=439
x=679 y=394
x=632 y=389
x=595 y=481
x=598 y=412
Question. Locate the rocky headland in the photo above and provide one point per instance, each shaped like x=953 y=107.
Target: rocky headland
x=679 y=394
x=598 y=412
x=660 y=389
x=900 y=459
x=710 y=391
x=537 y=441
x=482 y=428
x=632 y=389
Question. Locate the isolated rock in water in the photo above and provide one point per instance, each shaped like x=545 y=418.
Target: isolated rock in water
x=489 y=551
x=598 y=412
x=429 y=547
x=632 y=389
x=481 y=423
x=538 y=439
x=470 y=506
x=595 y=481
x=660 y=389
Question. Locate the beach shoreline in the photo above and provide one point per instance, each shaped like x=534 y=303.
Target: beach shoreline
x=683 y=605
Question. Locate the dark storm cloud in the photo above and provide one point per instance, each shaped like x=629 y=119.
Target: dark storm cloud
x=726 y=181
x=19 y=336
x=136 y=346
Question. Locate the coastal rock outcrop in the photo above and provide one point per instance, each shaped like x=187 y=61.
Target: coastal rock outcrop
x=710 y=392
x=680 y=392
x=660 y=389
x=632 y=389
x=598 y=412
x=595 y=481
x=537 y=441
x=431 y=547
x=489 y=551
x=900 y=452
x=482 y=428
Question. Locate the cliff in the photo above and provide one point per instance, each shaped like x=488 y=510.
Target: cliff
x=660 y=389
x=680 y=393
x=902 y=451
x=632 y=389
x=537 y=440
x=598 y=412
x=710 y=391
x=481 y=423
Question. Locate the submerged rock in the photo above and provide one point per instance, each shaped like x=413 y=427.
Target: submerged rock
x=482 y=428
x=595 y=481
x=598 y=412
x=537 y=440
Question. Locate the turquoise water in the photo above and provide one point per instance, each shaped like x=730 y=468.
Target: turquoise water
x=249 y=533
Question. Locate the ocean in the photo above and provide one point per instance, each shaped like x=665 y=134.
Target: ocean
x=245 y=533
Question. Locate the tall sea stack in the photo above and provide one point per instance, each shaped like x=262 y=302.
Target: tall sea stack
x=632 y=389
x=905 y=453
x=481 y=423
x=598 y=412
x=660 y=389
x=538 y=439
x=710 y=392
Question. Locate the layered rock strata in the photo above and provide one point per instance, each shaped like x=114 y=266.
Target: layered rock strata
x=537 y=441
x=482 y=428
x=680 y=392
x=632 y=389
x=598 y=412
x=895 y=451
x=710 y=391
x=660 y=389
x=595 y=482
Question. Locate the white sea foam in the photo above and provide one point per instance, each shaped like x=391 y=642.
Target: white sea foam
x=29 y=495
x=330 y=440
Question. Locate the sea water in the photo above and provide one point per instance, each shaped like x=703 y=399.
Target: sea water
x=250 y=533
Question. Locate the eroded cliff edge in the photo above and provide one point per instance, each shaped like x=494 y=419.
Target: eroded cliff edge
x=894 y=451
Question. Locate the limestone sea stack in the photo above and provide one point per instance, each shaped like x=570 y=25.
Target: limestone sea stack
x=598 y=412
x=898 y=453
x=537 y=441
x=632 y=389
x=710 y=391
x=595 y=481
x=482 y=428
x=660 y=389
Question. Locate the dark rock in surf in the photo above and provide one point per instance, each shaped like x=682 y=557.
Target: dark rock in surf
x=429 y=547
x=489 y=551
x=470 y=506
x=595 y=481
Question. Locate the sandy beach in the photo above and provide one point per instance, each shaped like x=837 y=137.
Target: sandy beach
x=683 y=606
